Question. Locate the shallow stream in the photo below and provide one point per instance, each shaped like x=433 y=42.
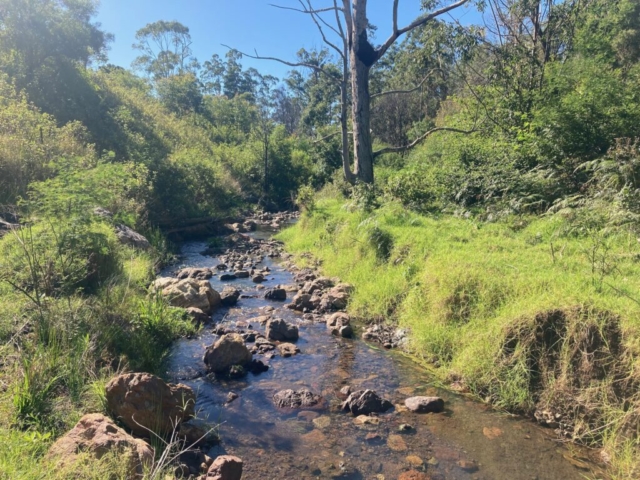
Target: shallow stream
x=468 y=441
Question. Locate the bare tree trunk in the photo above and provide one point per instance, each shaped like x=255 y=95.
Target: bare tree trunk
x=362 y=56
x=344 y=127
x=362 y=144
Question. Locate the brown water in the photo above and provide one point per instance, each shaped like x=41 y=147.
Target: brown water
x=468 y=441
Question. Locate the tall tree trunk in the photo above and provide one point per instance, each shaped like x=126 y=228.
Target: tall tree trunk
x=362 y=56
x=362 y=144
x=344 y=127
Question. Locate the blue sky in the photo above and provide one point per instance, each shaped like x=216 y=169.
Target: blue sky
x=242 y=24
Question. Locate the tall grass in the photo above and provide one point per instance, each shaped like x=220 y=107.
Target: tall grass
x=532 y=314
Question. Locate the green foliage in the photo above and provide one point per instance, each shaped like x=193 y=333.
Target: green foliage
x=180 y=94
x=54 y=258
x=29 y=143
x=154 y=326
x=78 y=188
x=165 y=50
x=305 y=200
x=41 y=45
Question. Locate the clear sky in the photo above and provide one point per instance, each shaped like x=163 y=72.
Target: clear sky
x=246 y=25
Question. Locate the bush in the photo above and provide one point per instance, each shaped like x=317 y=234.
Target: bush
x=54 y=258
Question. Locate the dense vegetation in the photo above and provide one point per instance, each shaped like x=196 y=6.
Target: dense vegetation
x=510 y=250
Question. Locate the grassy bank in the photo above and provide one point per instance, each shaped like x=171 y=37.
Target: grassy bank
x=534 y=315
x=74 y=311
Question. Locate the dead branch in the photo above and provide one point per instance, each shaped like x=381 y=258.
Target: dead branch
x=315 y=10
x=285 y=62
x=317 y=19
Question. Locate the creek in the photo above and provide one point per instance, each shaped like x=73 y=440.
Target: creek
x=468 y=441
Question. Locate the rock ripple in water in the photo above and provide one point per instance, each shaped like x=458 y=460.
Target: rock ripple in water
x=296 y=399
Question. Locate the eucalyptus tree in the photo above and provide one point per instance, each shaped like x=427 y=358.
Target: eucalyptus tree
x=344 y=27
x=165 y=50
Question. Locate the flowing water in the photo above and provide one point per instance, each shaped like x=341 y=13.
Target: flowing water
x=468 y=441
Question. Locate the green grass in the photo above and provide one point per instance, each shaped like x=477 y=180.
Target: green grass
x=530 y=313
x=62 y=337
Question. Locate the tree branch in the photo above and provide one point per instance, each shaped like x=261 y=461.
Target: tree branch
x=392 y=92
x=340 y=29
x=415 y=24
x=315 y=10
x=334 y=29
x=419 y=139
x=290 y=64
x=395 y=16
x=316 y=19
x=327 y=137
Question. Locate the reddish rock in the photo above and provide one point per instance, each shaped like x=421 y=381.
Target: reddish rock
x=228 y=351
x=188 y=293
x=97 y=435
x=288 y=349
x=225 y=467
x=145 y=402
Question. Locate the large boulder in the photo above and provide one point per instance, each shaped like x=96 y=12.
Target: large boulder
x=225 y=467
x=126 y=236
x=365 y=402
x=297 y=399
x=332 y=301
x=96 y=435
x=188 y=293
x=281 y=331
x=228 y=351
x=144 y=403
x=425 y=404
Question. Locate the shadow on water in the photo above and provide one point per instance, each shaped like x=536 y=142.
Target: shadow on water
x=468 y=441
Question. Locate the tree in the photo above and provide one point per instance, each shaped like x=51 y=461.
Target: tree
x=212 y=75
x=230 y=79
x=45 y=45
x=180 y=93
x=351 y=27
x=166 y=50
x=287 y=109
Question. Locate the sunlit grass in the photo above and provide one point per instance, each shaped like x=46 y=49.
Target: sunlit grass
x=465 y=289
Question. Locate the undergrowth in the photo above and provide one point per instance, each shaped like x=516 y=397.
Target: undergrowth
x=74 y=311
